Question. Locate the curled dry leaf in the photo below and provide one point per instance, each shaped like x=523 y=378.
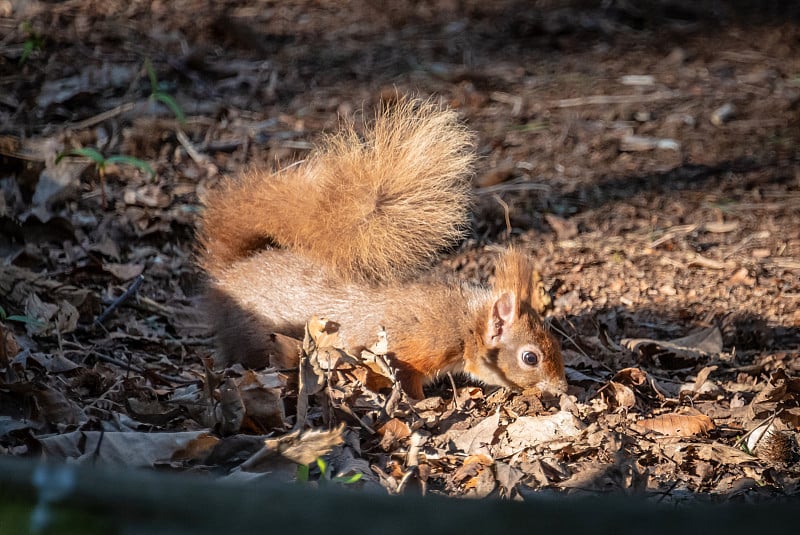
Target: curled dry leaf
x=618 y=396
x=780 y=387
x=528 y=431
x=229 y=411
x=153 y=412
x=123 y=272
x=680 y=352
x=631 y=376
x=702 y=377
x=53 y=407
x=392 y=432
x=261 y=396
x=479 y=438
x=681 y=425
x=48 y=318
x=305 y=447
x=470 y=473
x=195 y=449
x=508 y=478
x=53 y=363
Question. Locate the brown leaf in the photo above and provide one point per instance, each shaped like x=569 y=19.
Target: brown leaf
x=306 y=447
x=475 y=477
x=196 y=449
x=49 y=318
x=262 y=397
x=393 y=431
x=723 y=454
x=153 y=412
x=471 y=467
x=53 y=363
x=123 y=272
x=702 y=377
x=618 y=395
x=680 y=352
x=527 y=431
x=128 y=449
x=682 y=425
x=229 y=412
x=55 y=408
x=631 y=376
x=508 y=478
x=479 y=437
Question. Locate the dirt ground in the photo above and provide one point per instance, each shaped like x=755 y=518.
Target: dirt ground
x=645 y=152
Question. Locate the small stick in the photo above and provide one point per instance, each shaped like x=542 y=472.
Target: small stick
x=512 y=186
x=132 y=289
x=103 y=116
x=456 y=404
x=193 y=153
x=506 y=213
x=602 y=100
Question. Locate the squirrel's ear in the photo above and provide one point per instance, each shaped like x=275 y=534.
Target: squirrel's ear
x=500 y=318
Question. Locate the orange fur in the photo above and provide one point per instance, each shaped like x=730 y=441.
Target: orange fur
x=397 y=197
x=343 y=234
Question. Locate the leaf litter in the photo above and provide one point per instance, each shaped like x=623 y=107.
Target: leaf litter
x=666 y=235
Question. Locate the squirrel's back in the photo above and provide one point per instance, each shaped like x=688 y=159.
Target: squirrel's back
x=375 y=208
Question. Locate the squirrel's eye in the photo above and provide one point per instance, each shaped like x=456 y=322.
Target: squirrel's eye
x=530 y=358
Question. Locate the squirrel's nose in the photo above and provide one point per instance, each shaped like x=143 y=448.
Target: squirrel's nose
x=553 y=387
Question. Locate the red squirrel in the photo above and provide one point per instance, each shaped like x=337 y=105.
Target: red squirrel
x=347 y=235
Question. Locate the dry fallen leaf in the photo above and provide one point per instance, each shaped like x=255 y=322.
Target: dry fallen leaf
x=124 y=448
x=392 y=432
x=305 y=447
x=528 y=431
x=479 y=438
x=681 y=425
x=680 y=352
x=618 y=395
x=631 y=376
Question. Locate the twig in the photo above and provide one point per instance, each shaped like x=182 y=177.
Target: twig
x=512 y=186
x=193 y=153
x=104 y=116
x=674 y=232
x=602 y=100
x=506 y=213
x=504 y=98
x=132 y=289
x=456 y=404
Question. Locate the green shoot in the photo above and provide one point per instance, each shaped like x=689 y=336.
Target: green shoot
x=303 y=476
x=302 y=473
x=17 y=318
x=101 y=163
x=159 y=95
x=34 y=41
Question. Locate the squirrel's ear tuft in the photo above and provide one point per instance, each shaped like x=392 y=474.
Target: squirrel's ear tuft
x=500 y=318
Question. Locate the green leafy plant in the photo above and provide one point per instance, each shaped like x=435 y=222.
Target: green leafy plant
x=101 y=163
x=33 y=41
x=303 y=474
x=17 y=318
x=158 y=94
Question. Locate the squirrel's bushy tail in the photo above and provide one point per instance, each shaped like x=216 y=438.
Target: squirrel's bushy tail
x=373 y=208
